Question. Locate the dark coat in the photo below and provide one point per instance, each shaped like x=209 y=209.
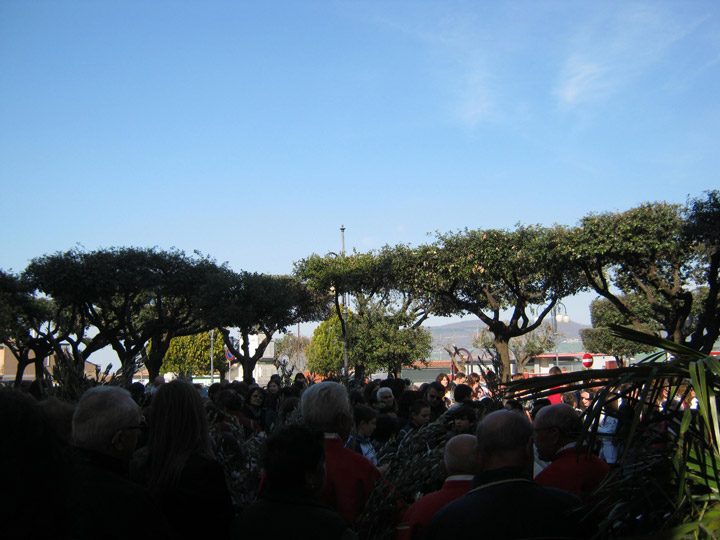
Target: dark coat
x=290 y=514
x=507 y=504
x=106 y=504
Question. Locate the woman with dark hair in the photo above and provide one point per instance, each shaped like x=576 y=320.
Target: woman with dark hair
x=253 y=408
x=179 y=467
x=273 y=387
x=294 y=463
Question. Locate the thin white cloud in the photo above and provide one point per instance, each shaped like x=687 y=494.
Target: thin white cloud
x=611 y=50
x=581 y=80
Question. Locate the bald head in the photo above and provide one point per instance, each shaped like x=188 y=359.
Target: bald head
x=555 y=426
x=561 y=416
x=461 y=455
x=505 y=440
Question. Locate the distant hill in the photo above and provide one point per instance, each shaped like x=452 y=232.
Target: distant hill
x=462 y=333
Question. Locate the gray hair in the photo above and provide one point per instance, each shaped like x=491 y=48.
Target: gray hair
x=321 y=404
x=503 y=432
x=101 y=412
x=384 y=390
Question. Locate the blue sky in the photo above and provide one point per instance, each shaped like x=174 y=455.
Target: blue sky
x=252 y=130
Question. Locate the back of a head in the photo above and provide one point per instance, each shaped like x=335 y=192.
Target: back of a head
x=539 y=404
x=562 y=416
x=460 y=455
x=503 y=433
x=100 y=413
x=363 y=413
x=323 y=403
x=178 y=422
x=462 y=392
x=290 y=453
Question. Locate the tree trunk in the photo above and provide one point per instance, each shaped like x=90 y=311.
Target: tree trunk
x=503 y=351
x=40 y=374
x=160 y=343
x=22 y=364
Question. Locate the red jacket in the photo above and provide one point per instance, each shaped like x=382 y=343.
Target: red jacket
x=579 y=473
x=350 y=479
x=418 y=515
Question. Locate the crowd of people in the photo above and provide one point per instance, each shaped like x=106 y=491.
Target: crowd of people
x=146 y=463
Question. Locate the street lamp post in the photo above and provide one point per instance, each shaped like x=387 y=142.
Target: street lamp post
x=344 y=301
x=557 y=317
x=212 y=351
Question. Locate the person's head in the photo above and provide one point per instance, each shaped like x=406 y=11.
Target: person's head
x=460 y=377
x=460 y=456
x=514 y=405
x=178 y=428
x=107 y=420
x=464 y=419
x=294 y=458
x=385 y=396
x=443 y=379
x=137 y=391
x=256 y=397
x=300 y=377
x=462 y=393
x=178 y=420
x=505 y=440
x=365 y=420
x=538 y=404
x=229 y=401
x=159 y=380
x=273 y=387
x=326 y=406
x=554 y=370
x=385 y=428
x=434 y=395
x=213 y=391
x=555 y=426
x=420 y=412
x=586 y=398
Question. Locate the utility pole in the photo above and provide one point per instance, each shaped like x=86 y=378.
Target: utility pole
x=212 y=353
x=344 y=301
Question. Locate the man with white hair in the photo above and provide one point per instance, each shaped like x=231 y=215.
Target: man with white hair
x=350 y=477
x=106 y=427
x=385 y=398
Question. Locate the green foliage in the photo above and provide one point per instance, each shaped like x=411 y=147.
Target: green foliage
x=667 y=482
x=666 y=254
x=378 y=339
x=601 y=339
x=325 y=351
x=190 y=355
x=413 y=470
x=130 y=296
x=263 y=304
x=488 y=272
x=523 y=347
